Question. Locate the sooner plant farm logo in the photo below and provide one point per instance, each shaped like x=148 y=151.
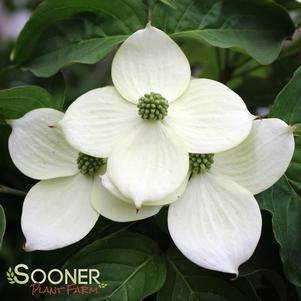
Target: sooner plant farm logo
x=56 y=281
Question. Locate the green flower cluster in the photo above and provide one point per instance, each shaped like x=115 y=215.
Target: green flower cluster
x=200 y=163
x=89 y=165
x=153 y=106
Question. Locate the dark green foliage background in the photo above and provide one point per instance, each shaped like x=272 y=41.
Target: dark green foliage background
x=66 y=49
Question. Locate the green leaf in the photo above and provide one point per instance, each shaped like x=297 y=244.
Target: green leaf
x=15 y=102
x=202 y=58
x=186 y=281
x=55 y=85
x=130 y=264
x=290 y=4
x=266 y=255
x=287 y=107
x=170 y=3
x=285 y=206
x=2 y=224
x=252 y=25
x=294 y=171
x=271 y=281
x=264 y=268
x=11 y=77
x=60 y=33
x=298 y=289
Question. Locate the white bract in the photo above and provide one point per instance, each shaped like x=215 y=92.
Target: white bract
x=57 y=211
x=152 y=118
x=216 y=223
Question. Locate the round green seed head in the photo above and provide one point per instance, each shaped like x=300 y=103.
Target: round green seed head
x=200 y=163
x=89 y=165
x=152 y=106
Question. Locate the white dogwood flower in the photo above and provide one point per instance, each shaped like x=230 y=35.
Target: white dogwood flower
x=153 y=117
x=57 y=211
x=216 y=223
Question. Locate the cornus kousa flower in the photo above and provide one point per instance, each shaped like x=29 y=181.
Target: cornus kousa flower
x=57 y=211
x=216 y=223
x=152 y=118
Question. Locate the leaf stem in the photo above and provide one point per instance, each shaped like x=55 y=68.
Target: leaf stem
x=234 y=57
x=245 y=72
x=281 y=57
x=288 y=54
x=227 y=54
x=8 y=190
x=244 y=61
x=218 y=59
x=7 y=68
